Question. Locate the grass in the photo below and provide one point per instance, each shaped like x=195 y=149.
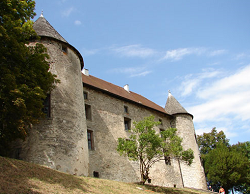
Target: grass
x=17 y=176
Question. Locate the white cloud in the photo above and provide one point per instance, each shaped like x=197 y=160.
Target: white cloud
x=67 y=12
x=141 y=74
x=134 y=51
x=240 y=81
x=217 y=52
x=192 y=82
x=178 y=54
x=188 y=86
x=223 y=104
x=88 y=52
x=77 y=22
x=132 y=71
x=228 y=96
x=236 y=105
x=242 y=55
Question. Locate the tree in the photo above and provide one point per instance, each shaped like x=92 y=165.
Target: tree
x=209 y=141
x=24 y=76
x=244 y=148
x=226 y=166
x=148 y=147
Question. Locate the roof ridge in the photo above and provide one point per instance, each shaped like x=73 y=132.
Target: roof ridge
x=121 y=92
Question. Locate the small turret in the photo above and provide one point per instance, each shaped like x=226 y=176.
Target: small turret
x=192 y=176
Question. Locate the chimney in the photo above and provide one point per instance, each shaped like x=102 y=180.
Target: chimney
x=126 y=87
x=85 y=72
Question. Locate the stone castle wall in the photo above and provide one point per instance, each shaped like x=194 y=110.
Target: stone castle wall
x=107 y=124
x=59 y=142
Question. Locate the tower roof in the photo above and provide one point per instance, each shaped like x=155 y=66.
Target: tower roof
x=43 y=28
x=174 y=107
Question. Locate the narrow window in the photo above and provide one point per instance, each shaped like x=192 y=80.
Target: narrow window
x=125 y=109
x=127 y=123
x=160 y=121
x=46 y=106
x=167 y=160
x=172 y=123
x=96 y=174
x=64 y=49
x=90 y=139
x=85 y=94
x=88 y=111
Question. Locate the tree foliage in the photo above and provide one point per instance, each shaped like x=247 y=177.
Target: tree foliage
x=148 y=147
x=209 y=141
x=244 y=148
x=225 y=165
x=24 y=77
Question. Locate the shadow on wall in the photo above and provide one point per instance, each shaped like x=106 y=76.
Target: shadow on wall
x=104 y=160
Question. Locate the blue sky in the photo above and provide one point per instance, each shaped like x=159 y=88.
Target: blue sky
x=199 y=50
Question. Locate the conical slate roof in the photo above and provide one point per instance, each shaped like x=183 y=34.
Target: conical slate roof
x=173 y=106
x=43 y=28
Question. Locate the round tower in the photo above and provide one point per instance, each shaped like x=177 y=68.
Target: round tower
x=60 y=140
x=192 y=176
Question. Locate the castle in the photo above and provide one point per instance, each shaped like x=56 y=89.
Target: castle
x=87 y=115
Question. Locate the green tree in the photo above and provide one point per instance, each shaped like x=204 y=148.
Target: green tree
x=209 y=141
x=244 y=148
x=148 y=147
x=24 y=76
x=226 y=166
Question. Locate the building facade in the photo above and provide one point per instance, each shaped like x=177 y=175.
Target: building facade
x=87 y=115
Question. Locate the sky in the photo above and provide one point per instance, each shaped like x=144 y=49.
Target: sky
x=199 y=50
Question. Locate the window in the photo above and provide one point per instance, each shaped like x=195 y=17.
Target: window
x=172 y=123
x=46 y=106
x=88 y=111
x=127 y=123
x=160 y=121
x=96 y=174
x=167 y=160
x=64 y=49
x=85 y=94
x=125 y=109
x=90 y=139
